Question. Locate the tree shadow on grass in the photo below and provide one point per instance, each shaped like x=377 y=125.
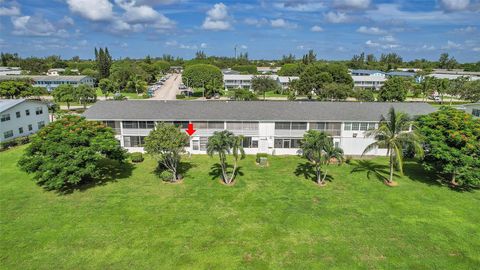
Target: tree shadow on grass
x=108 y=170
x=379 y=171
x=415 y=171
x=183 y=168
x=216 y=171
x=307 y=170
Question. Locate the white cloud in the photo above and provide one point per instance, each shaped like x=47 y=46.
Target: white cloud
x=351 y=4
x=171 y=43
x=95 y=10
x=203 y=45
x=300 y=6
x=35 y=26
x=451 y=46
x=67 y=21
x=217 y=18
x=243 y=47
x=454 y=5
x=371 y=30
x=476 y=49
x=336 y=17
x=256 y=22
x=388 y=38
x=465 y=30
x=428 y=48
x=316 y=28
x=281 y=23
x=144 y=15
x=9 y=11
x=370 y=43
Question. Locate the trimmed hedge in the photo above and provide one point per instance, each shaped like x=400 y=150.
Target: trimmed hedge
x=166 y=176
x=136 y=157
x=14 y=142
x=181 y=96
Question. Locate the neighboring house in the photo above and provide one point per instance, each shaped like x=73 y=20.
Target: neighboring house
x=367 y=72
x=285 y=81
x=235 y=81
x=268 y=70
x=55 y=71
x=453 y=76
x=369 y=82
x=274 y=127
x=51 y=82
x=10 y=71
x=230 y=71
x=471 y=108
x=21 y=117
x=404 y=74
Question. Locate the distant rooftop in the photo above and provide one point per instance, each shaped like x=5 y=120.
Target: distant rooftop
x=75 y=78
x=6 y=104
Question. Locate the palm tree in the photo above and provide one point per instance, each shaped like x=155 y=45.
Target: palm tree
x=85 y=93
x=137 y=83
x=313 y=148
x=224 y=143
x=330 y=151
x=395 y=134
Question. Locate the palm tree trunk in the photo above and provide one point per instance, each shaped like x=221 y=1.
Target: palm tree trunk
x=324 y=176
x=391 y=166
x=319 y=174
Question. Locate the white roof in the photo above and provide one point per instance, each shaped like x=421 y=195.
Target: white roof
x=242 y=77
x=6 y=104
x=369 y=78
x=286 y=79
x=452 y=76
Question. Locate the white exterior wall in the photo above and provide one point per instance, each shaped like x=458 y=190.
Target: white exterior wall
x=23 y=121
x=265 y=135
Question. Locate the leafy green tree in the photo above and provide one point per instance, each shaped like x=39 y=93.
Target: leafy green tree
x=138 y=84
x=315 y=76
x=291 y=69
x=53 y=108
x=262 y=84
x=426 y=86
x=441 y=86
x=225 y=143
x=85 y=94
x=246 y=69
x=309 y=58
x=471 y=91
x=242 y=94
x=452 y=143
x=201 y=74
x=394 y=134
x=318 y=148
x=107 y=87
x=394 y=89
x=17 y=89
x=456 y=87
x=65 y=93
x=67 y=152
x=167 y=144
x=90 y=72
x=162 y=66
x=365 y=95
x=122 y=71
x=334 y=91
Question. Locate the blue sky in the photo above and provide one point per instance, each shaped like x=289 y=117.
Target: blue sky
x=335 y=29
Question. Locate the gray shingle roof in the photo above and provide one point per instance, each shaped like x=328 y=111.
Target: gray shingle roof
x=248 y=110
x=6 y=104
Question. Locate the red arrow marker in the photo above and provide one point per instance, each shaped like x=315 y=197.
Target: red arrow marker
x=190 y=129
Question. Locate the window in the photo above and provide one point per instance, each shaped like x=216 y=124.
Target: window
x=348 y=126
x=476 y=112
x=130 y=124
x=181 y=124
x=359 y=126
x=216 y=125
x=5 y=117
x=287 y=143
x=242 y=125
x=133 y=141
x=18 y=114
x=38 y=110
x=282 y=125
x=200 y=125
x=146 y=124
x=20 y=130
x=248 y=142
x=41 y=124
x=203 y=143
x=8 y=134
x=30 y=127
x=299 y=125
x=27 y=112
x=363 y=126
x=332 y=128
x=195 y=145
x=355 y=126
x=115 y=125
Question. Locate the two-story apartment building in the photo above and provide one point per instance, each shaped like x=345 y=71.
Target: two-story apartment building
x=21 y=117
x=274 y=127
x=235 y=81
x=52 y=82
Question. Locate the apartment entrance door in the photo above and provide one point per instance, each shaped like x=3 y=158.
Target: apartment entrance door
x=263 y=145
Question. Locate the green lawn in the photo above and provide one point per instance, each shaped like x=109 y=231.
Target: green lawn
x=271 y=219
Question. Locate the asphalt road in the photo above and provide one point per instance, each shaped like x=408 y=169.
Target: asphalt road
x=169 y=89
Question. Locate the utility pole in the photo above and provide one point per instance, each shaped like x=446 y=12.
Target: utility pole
x=235 y=48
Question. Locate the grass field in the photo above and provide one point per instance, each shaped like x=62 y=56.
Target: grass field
x=271 y=218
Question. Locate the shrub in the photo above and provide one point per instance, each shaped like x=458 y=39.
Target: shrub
x=119 y=97
x=136 y=157
x=166 y=176
x=14 y=142
x=145 y=96
x=261 y=155
x=180 y=96
x=348 y=159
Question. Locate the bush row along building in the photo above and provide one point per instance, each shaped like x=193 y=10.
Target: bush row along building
x=273 y=127
x=21 y=117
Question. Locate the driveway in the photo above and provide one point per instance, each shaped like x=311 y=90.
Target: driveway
x=169 y=89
